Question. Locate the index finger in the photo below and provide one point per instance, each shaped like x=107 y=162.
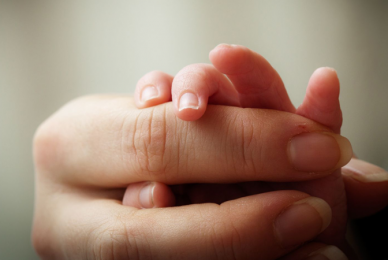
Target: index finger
x=103 y=141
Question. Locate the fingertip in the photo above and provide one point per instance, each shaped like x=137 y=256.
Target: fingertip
x=189 y=114
x=316 y=251
x=219 y=47
x=366 y=188
x=324 y=84
x=321 y=102
x=145 y=195
x=153 y=89
x=196 y=85
x=365 y=172
x=163 y=196
x=302 y=220
x=190 y=106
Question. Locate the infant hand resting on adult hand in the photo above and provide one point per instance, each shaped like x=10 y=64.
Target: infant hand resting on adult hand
x=240 y=77
x=94 y=147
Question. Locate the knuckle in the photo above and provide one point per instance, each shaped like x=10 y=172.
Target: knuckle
x=155 y=77
x=149 y=142
x=146 y=79
x=247 y=157
x=114 y=240
x=221 y=243
x=40 y=242
x=56 y=139
x=51 y=138
x=225 y=238
x=199 y=72
x=155 y=74
x=47 y=143
x=235 y=242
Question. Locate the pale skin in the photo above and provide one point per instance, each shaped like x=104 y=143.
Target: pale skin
x=94 y=147
x=248 y=88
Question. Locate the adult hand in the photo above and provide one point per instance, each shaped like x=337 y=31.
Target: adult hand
x=89 y=151
x=241 y=77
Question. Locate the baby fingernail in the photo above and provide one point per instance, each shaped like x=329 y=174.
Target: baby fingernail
x=327 y=253
x=146 y=195
x=302 y=221
x=312 y=152
x=149 y=93
x=364 y=172
x=188 y=100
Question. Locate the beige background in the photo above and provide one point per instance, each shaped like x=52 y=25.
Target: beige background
x=53 y=51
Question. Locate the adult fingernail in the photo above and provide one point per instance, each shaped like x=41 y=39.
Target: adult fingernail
x=364 y=172
x=327 y=253
x=188 y=100
x=302 y=221
x=148 y=93
x=313 y=152
x=146 y=196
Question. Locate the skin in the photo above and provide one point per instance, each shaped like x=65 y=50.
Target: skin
x=88 y=152
x=92 y=148
x=247 y=87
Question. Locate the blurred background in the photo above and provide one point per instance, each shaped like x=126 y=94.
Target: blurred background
x=54 y=51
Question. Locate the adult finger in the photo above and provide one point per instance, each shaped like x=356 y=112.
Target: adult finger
x=256 y=81
x=269 y=225
x=146 y=195
x=153 y=89
x=366 y=188
x=197 y=85
x=316 y=251
x=226 y=145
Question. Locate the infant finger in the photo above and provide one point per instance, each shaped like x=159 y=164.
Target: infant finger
x=197 y=85
x=256 y=81
x=153 y=89
x=145 y=195
x=321 y=102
